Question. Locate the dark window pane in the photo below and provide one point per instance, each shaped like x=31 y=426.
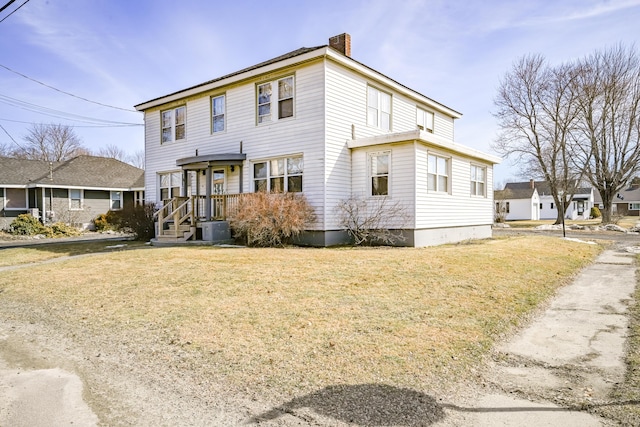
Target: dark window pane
x=285 y=108
x=277 y=185
x=379 y=186
x=218 y=123
x=294 y=184
x=260 y=170
x=180 y=132
x=260 y=185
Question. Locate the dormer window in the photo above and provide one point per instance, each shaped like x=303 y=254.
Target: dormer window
x=424 y=120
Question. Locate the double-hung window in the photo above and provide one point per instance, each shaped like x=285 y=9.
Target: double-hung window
x=424 y=120
x=174 y=124
x=279 y=175
x=438 y=173
x=15 y=198
x=378 y=109
x=170 y=184
x=280 y=92
x=116 y=200
x=379 y=173
x=75 y=199
x=478 y=180
x=218 y=114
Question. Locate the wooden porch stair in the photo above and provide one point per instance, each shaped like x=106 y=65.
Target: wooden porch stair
x=176 y=221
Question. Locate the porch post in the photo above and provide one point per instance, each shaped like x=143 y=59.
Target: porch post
x=240 y=178
x=207 y=204
x=185 y=183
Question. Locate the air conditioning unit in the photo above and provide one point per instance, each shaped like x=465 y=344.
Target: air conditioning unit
x=50 y=215
x=34 y=212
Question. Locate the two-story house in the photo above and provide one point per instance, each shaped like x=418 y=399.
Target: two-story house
x=319 y=122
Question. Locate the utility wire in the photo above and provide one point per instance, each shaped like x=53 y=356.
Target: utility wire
x=18 y=8
x=75 y=126
x=9 y=135
x=14 y=102
x=6 y=5
x=62 y=91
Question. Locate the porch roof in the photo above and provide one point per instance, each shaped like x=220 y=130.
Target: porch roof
x=208 y=160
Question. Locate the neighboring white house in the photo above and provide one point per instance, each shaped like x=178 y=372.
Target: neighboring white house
x=532 y=200
x=317 y=121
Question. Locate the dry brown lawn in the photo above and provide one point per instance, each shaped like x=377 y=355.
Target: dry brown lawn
x=293 y=320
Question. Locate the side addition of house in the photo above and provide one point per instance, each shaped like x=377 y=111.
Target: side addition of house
x=318 y=122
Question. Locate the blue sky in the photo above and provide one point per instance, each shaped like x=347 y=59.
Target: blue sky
x=124 y=52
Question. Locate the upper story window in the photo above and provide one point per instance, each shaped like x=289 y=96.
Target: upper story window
x=75 y=199
x=279 y=175
x=15 y=198
x=478 y=180
x=379 y=173
x=438 y=173
x=174 y=124
x=170 y=184
x=378 y=109
x=424 y=119
x=116 y=200
x=217 y=114
x=280 y=91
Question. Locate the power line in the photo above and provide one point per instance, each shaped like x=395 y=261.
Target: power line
x=18 y=8
x=6 y=5
x=75 y=126
x=65 y=92
x=14 y=102
x=9 y=135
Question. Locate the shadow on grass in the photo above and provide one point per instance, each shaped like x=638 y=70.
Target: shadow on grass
x=364 y=404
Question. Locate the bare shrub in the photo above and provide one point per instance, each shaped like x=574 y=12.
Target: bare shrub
x=137 y=220
x=268 y=219
x=369 y=220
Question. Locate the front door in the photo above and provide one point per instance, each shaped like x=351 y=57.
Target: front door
x=217 y=191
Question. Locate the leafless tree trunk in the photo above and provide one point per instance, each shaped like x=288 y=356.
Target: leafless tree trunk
x=51 y=143
x=609 y=104
x=537 y=115
x=137 y=159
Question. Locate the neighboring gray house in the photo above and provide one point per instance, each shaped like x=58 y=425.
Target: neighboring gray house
x=317 y=122
x=74 y=191
x=626 y=202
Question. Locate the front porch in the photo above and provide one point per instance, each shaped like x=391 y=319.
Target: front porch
x=201 y=210
x=181 y=219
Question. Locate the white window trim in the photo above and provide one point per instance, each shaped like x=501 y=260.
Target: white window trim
x=370 y=175
x=472 y=181
x=81 y=199
x=378 y=124
x=224 y=113
x=160 y=187
x=422 y=112
x=449 y=179
x=636 y=208
x=111 y=200
x=269 y=176
x=173 y=124
x=275 y=100
x=4 y=199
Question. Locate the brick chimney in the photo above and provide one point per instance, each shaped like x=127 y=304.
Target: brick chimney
x=532 y=183
x=341 y=43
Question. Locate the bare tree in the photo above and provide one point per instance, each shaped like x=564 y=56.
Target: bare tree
x=5 y=150
x=537 y=115
x=370 y=221
x=113 y=151
x=51 y=143
x=609 y=104
x=137 y=159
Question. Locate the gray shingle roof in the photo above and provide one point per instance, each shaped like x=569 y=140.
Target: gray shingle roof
x=81 y=171
x=542 y=187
